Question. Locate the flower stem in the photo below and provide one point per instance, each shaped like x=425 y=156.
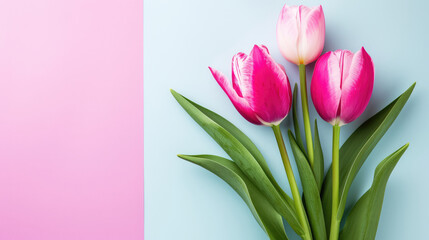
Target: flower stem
x=335 y=223
x=305 y=114
x=292 y=183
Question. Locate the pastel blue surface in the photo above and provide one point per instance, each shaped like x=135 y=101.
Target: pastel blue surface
x=182 y=38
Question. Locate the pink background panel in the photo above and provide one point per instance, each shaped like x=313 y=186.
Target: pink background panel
x=71 y=119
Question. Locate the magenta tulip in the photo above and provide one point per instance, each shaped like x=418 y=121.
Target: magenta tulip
x=301 y=33
x=260 y=89
x=342 y=85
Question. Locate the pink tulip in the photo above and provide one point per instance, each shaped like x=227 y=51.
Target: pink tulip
x=342 y=85
x=301 y=33
x=260 y=89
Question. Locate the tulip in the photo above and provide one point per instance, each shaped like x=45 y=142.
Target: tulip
x=260 y=89
x=301 y=36
x=342 y=85
x=301 y=33
x=341 y=88
x=261 y=93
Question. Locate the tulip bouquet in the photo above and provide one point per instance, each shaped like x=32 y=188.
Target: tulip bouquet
x=341 y=88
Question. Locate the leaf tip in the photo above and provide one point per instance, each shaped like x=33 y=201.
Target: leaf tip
x=406 y=145
x=291 y=136
x=411 y=88
x=175 y=94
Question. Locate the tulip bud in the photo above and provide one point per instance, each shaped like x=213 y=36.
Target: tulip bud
x=301 y=33
x=342 y=85
x=260 y=89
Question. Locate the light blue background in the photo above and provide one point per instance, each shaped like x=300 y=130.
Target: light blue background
x=182 y=38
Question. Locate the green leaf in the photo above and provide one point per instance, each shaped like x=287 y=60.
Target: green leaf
x=245 y=141
x=362 y=222
x=355 y=151
x=264 y=213
x=313 y=203
x=319 y=164
x=244 y=160
x=295 y=119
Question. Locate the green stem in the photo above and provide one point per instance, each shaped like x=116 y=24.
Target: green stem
x=292 y=183
x=305 y=114
x=335 y=223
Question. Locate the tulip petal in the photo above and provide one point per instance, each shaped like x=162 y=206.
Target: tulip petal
x=345 y=58
x=237 y=66
x=357 y=86
x=288 y=33
x=326 y=86
x=270 y=96
x=265 y=48
x=283 y=68
x=239 y=103
x=242 y=72
x=312 y=34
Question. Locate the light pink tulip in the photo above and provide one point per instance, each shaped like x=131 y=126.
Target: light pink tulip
x=342 y=85
x=301 y=33
x=260 y=89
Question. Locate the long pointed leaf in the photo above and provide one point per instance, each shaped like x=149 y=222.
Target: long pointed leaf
x=264 y=213
x=356 y=149
x=245 y=140
x=362 y=222
x=319 y=164
x=244 y=160
x=313 y=203
x=295 y=119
